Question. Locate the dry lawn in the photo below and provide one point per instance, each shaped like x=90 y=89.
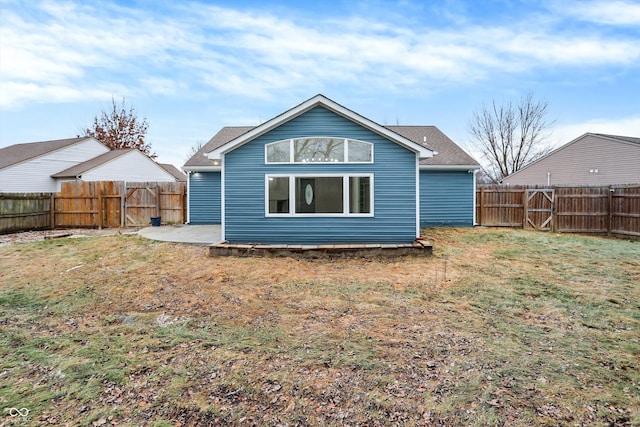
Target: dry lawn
x=499 y=327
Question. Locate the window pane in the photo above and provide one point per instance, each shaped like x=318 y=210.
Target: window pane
x=318 y=150
x=279 y=195
x=359 y=151
x=319 y=195
x=359 y=194
x=279 y=152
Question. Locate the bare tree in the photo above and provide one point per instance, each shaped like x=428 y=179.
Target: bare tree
x=194 y=149
x=120 y=128
x=510 y=137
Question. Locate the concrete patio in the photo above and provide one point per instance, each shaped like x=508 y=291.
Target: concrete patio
x=184 y=233
x=210 y=235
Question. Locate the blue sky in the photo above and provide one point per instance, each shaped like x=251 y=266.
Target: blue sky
x=190 y=68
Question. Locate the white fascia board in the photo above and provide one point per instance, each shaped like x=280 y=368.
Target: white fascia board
x=423 y=152
x=450 y=167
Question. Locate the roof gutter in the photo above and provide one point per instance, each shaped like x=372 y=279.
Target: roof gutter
x=450 y=167
x=189 y=169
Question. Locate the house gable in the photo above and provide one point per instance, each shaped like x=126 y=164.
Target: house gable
x=118 y=165
x=591 y=159
x=312 y=103
x=394 y=178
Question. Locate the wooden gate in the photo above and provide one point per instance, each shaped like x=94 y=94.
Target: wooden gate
x=538 y=209
x=144 y=200
x=141 y=203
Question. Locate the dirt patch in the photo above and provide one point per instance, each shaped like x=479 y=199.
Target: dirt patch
x=35 y=236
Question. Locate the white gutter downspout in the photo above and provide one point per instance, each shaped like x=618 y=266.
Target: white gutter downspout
x=189 y=197
x=475 y=222
x=417 y=195
x=223 y=203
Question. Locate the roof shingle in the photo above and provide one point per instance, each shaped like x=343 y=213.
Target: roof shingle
x=83 y=167
x=224 y=135
x=449 y=153
x=18 y=153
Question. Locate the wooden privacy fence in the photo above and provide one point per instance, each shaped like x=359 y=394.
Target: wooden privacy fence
x=94 y=204
x=28 y=211
x=610 y=210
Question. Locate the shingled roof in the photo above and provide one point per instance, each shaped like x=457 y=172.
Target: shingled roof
x=93 y=163
x=174 y=171
x=449 y=153
x=631 y=139
x=224 y=135
x=19 y=153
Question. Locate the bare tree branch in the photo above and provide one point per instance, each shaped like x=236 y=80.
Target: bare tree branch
x=194 y=149
x=510 y=137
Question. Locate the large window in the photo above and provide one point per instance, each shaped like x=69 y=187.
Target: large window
x=332 y=195
x=319 y=150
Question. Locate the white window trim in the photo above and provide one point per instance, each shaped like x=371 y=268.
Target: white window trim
x=292 y=153
x=345 y=195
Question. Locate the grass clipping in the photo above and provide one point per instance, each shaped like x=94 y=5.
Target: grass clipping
x=499 y=327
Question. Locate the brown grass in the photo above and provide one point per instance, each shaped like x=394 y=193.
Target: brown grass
x=498 y=327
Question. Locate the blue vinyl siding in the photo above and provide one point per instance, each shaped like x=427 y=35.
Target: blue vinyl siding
x=446 y=198
x=204 y=198
x=394 y=170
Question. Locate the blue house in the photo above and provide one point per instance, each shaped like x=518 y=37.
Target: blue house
x=320 y=173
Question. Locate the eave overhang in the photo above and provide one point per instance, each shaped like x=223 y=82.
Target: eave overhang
x=319 y=100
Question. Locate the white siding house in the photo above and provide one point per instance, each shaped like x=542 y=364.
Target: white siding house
x=27 y=168
x=117 y=165
x=42 y=166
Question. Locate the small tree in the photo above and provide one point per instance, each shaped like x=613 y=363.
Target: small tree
x=510 y=137
x=120 y=128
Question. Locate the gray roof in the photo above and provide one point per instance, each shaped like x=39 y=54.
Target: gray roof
x=177 y=173
x=449 y=153
x=224 y=135
x=18 y=153
x=83 y=167
x=621 y=138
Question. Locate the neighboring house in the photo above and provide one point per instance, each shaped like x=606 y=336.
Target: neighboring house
x=177 y=173
x=43 y=166
x=591 y=159
x=321 y=173
x=117 y=165
x=28 y=167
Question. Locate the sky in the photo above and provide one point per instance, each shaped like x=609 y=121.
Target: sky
x=190 y=68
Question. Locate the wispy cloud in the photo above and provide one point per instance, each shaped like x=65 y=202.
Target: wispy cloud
x=625 y=126
x=60 y=52
x=608 y=12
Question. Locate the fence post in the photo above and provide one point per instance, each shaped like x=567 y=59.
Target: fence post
x=183 y=203
x=610 y=210
x=52 y=208
x=481 y=214
x=123 y=195
x=157 y=199
x=525 y=207
x=554 y=210
x=100 y=205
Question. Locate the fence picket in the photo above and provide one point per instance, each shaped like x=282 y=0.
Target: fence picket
x=92 y=204
x=610 y=210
